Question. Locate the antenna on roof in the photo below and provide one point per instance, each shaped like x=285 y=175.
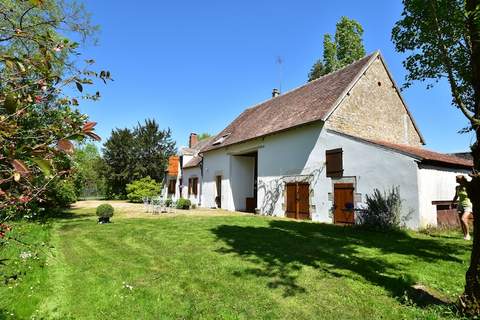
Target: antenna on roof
x=279 y=62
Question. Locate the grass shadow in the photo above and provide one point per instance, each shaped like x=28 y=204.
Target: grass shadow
x=280 y=250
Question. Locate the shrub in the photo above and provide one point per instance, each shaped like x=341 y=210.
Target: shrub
x=183 y=204
x=168 y=202
x=139 y=189
x=61 y=194
x=105 y=211
x=383 y=210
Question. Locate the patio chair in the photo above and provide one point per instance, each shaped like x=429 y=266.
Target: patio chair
x=146 y=204
x=157 y=205
x=172 y=207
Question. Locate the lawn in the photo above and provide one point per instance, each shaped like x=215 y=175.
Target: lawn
x=215 y=265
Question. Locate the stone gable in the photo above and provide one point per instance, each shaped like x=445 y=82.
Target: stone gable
x=374 y=110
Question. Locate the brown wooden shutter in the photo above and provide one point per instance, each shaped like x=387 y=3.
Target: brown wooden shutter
x=334 y=163
x=291 y=200
x=189 y=186
x=195 y=186
x=303 y=197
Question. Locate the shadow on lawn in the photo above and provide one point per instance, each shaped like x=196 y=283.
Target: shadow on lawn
x=284 y=247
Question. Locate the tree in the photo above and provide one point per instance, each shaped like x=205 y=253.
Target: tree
x=203 y=136
x=119 y=157
x=87 y=175
x=38 y=122
x=347 y=47
x=134 y=154
x=443 y=37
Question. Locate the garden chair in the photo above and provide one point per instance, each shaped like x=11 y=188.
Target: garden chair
x=172 y=206
x=146 y=204
x=157 y=205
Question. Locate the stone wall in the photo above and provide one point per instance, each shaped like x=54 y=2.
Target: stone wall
x=374 y=110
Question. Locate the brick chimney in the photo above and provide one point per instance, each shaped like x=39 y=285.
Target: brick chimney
x=275 y=92
x=193 y=140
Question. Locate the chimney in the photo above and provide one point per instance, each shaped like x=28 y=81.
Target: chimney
x=275 y=92
x=193 y=140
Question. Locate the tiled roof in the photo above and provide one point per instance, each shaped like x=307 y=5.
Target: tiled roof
x=172 y=166
x=308 y=103
x=427 y=156
x=195 y=161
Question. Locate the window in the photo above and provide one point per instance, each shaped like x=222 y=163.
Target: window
x=193 y=186
x=171 y=187
x=221 y=139
x=334 y=163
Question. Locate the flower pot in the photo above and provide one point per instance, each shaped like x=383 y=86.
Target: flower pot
x=102 y=220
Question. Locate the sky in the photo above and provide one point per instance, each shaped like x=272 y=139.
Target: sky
x=195 y=65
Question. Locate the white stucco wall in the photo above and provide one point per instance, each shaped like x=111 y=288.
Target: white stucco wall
x=192 y=173
x=299 y=155
x=216 y=163
x=435 y=184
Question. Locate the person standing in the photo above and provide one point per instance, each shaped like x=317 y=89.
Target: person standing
x=464 y=207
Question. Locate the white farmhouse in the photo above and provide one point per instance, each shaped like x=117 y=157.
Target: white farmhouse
x=316 y=151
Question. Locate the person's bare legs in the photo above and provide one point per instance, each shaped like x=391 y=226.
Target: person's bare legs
x=464 y=223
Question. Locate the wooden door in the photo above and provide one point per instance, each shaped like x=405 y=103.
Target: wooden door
x=343 y=203
x=298 y=206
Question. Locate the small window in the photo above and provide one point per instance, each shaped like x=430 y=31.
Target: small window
x=193 y=186
x=334 y=163
x=171 y=186
x=221 y=139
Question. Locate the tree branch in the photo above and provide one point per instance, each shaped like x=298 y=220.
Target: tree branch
x=451 y=78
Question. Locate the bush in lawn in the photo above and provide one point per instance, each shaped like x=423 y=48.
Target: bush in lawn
x=383 y=210
x=139 y=189
x=104 y=212
x=168 y=202
x=183 y=204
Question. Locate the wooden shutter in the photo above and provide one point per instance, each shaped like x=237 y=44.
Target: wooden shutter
x=195 y=186
x=171 y=187
x=189 y=186
x=291 y=200
x=303 y=198
x=334 y=163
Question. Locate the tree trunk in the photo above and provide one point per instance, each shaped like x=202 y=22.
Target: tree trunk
x=471 y=297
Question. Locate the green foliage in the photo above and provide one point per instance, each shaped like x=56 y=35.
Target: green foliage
x=105 y=211
x=438 y=38
x=132 y=154
x=38 y=122
x=139 y=189
x=168 y=202
x=203 y=136
x=383 y=210
x=60 y=194
x=88 y=172
x=345 y=49
x=183 y=204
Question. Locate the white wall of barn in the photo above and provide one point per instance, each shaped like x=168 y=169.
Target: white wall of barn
x=299 y=155
x=435 y=184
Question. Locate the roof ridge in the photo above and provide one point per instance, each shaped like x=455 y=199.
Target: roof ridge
x=312 y=82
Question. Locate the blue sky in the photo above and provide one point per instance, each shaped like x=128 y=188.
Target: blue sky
x=195 y=65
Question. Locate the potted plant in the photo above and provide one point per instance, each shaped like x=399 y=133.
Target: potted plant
x=104 y=213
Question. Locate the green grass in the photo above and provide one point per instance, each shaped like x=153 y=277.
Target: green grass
x=228 y=267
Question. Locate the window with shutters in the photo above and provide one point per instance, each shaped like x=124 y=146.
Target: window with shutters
x=171 y=187
x=334 y=163
x=195 y=186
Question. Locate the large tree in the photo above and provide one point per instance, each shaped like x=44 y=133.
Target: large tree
x=346 y=48
x=39 y=52
x=443 y=38
x=134 y=154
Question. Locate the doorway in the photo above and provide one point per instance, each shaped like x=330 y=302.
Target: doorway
x=298 y=202
x=343 y=203
x=218 y=198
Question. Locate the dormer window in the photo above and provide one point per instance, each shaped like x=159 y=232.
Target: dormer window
x=221 y=139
